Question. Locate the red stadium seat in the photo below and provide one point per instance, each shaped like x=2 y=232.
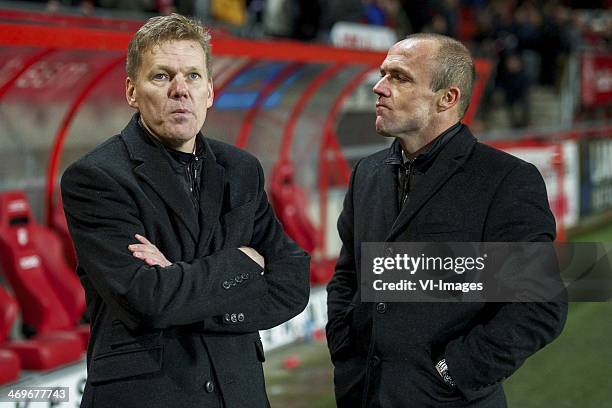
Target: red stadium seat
x=47 y=351
x=289 y=203
x=321 y=271
x=8 y=313
x=9 y=366
x=42 y=307
x=41 y=352
x=59 y=224
x=62 y=277
x=9 y=361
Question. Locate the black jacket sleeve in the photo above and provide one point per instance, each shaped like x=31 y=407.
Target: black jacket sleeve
x=286 y=278
x=103 y=220
x=342 y=290
x=495 y=349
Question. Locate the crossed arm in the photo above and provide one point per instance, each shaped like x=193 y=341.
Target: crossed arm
x=143 y=289
x=146 y=251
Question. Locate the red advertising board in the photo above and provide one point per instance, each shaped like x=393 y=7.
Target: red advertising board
x=596 y=79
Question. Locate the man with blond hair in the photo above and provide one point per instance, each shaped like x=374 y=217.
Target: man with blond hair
x=435 y=183
x=179 y=251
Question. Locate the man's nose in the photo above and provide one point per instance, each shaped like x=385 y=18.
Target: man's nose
x=178 y=87
x=381 y=88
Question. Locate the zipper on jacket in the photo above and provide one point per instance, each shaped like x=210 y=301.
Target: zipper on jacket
x=408 y=173
x=192 y=178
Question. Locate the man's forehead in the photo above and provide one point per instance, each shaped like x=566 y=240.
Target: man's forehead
x=414 y=46
x=409 y=50
x=174 y=52
x=175 y=47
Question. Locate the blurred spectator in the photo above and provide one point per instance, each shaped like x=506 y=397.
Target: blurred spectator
x=374 y=15
x=418 y=13
x=278 y=18
x=515 y=83
x=307 y=18
x=527 y=28
x=556 y=43
x=340 y=10
x=444 y=19
x=298 y=19
x=229 y=11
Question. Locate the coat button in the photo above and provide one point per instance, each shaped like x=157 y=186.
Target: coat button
x=375 y=361
x=209 y=386
x=381 y=307
x=226 y=318
x=241 y=317
x=226 y=285
x=234 y=318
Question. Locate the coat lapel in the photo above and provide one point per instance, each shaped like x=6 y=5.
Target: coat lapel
x=155 y=169
x=449 y=160
x=211 y=196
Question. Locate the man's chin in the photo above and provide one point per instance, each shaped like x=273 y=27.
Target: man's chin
x=176 y=138
x=383 y=132
x=381 y=129
x=181 y=133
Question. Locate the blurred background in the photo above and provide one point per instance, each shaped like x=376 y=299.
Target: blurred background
x=293 y=82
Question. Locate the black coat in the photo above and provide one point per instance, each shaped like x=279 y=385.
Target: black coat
x=385 y=356
x=185 y=335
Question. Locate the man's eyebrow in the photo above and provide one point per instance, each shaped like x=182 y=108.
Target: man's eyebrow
x=171 y=69
x=395 y=69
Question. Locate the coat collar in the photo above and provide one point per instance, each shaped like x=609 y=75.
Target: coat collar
x=424 y=159
x=154 y=168
x=448 y=160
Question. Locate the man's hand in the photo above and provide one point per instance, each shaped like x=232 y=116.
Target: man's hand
x=254 y=255
x=149 y=253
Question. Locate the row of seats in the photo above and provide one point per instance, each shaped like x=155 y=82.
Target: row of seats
x=39 y=264
x=48 y=293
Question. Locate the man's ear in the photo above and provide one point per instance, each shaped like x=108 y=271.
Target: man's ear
x=449 y=98
x=130 y=93
x=211 y=95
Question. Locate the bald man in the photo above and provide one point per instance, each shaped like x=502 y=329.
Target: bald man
x=435 y=183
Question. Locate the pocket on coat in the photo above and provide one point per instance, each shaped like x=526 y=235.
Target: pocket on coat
x=125 y=364
x=121 y=336
x=339 y=338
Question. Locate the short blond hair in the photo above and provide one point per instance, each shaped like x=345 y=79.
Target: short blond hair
x=158 y=30
x=453 y=65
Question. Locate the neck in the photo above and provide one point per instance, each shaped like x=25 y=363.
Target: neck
x=413 y=142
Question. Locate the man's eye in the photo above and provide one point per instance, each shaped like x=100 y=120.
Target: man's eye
x=160 y=77
x=195 y=75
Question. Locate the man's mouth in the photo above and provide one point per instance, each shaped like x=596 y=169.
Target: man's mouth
x=380 y=108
